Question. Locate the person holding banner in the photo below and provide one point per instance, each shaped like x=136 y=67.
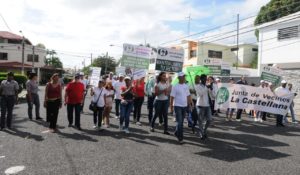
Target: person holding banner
x=212 y=93
x=149 y=89
x=281 y=91
x=126 y=104
x=203 y=104
x=161 y=104
x=229 y=112
x=239 y=112
x=139 y=91
x=181 y=98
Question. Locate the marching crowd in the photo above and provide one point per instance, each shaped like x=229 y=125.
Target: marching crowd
x=194 y=101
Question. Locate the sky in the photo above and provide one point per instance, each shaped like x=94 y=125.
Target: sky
x=77 y=28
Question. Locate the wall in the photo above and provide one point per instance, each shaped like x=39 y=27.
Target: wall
x=15 y=53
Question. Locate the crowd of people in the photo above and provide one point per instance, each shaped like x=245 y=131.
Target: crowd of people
x=194 y=101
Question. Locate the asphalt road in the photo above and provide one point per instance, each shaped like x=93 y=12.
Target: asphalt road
x=233 y=148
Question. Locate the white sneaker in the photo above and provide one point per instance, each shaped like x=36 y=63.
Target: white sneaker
x=238 y=120
x=117 y=117
x=295 y=122
x=138 y=123
x=255 y=119
x=126 y=131
x=94 y=126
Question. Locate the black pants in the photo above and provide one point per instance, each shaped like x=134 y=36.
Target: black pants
x=117 y=107
x=194 y=114
x=150 y=106
x=138 y=102
x=264 y=116
x=7 y=105
x=239 y=113
x=279 y=119
x=161 y=110
x=212 y=107
x=98 y=113
x=70 y=110
x=52 y=112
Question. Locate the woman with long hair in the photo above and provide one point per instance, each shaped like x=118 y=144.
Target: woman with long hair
x=108 y=104
x=99 y=101
x=162 y=92
x=139 y=90
x=53 y=101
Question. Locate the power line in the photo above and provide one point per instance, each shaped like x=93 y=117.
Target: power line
x=6 y=24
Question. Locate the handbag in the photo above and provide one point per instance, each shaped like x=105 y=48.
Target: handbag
x=93 y=105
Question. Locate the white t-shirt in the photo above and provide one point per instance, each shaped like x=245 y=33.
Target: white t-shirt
x=117 y=86
x=202 y=95
x=162 y=87
x=180 y=92
x=282 y=92
x=97 y=92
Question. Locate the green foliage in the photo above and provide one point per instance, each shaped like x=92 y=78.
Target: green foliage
x=54 y=62
x=103 y=61
x=21 y=79
x=67 y=80
x=254 y=62
x=276 y=9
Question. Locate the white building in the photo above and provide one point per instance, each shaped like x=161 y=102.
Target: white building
x=279 y=42
x=11 y=53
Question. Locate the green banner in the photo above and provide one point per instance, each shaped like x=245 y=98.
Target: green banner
x=135 y=62
x=214 y=70
x=274 y=79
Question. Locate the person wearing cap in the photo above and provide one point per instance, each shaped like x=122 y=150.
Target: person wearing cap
x=281 y=92
x=33 y=96
x=99 y=98
x=181 y=99
x=84 y=80
x=239 y=112
x=126 y=104
x=117 y=87
x=9 y=94
x=74 y=94
x=260 y=114
x=194 y=113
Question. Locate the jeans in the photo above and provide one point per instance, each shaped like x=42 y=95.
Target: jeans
x=161 y=109
x=117 y=106
x=52 y=112
x=179 y=113
x=204 y=116
x=125 y=114
x=292 y=113
x=150 y=106
x=7 y=105
x=98 y=113
x=70 y=110
x=138 y=102
x=239 y=113
x=35 y=100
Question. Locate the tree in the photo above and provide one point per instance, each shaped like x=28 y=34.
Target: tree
x=40 y=45
x=108 y=63
x=276 y=9
x=53 y=60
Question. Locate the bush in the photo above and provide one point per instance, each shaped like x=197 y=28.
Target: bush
x=67 y=80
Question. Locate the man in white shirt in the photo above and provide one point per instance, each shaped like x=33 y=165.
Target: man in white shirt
x=181 y=98
x=203 y=106
x=117 y=87
x=281 y=92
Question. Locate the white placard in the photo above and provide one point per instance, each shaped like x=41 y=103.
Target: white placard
x=95 y=76
x=170 y=54
x=139 y=74
x=136 y=51
x=212 y=62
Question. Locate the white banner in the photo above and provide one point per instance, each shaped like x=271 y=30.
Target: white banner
x=252 y=98
x=170 y=54
x=212 y=62
x=95 y=76
x=139 y=74
x=136 y=51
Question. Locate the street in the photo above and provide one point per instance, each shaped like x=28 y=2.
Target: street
x=232 y=148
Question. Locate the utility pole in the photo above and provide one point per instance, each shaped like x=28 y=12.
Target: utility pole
x=33 y=58
x=189 y=24
x=91 y=58
x=106 y=59
x=23 y=54
x=237 y=40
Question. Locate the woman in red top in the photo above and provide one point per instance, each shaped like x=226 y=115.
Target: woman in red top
x=139 y=91
x=53 y=101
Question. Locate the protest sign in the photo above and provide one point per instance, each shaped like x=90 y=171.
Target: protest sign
x=271 y=74
x=169 y=59
x=120 y=70
x=214 y=65
x=136 y=57
x=95 y=76
x=139 y=74
x=252 y=98
x=225 y=69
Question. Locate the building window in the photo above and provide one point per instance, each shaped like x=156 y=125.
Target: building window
x=255 y=49
x=288 y=32
x=214 y=54
x=36 y=58
x=193 y=53
x=3 y=56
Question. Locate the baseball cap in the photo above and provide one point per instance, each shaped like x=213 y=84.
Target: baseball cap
x=127 y=78
x=262 y=81
x=10 y=74
x=283 y=82
x=77 y=75
x=217 y=79
x=181 y=74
